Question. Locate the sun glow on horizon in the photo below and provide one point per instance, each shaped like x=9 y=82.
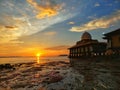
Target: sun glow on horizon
x=38 y=54
x=38 y=57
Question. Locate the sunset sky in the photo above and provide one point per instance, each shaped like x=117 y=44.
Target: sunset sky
x=50 y=27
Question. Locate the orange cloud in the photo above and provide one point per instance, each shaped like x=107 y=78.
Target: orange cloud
x=11 y=27
x=47 y=9
x=103 y=22
x=11 y=30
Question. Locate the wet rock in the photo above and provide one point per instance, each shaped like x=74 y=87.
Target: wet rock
x=37 y=75
x=11 y=76
x=53 y=77
x=56 y=68
x=6 y=66
x=63 y=62
x=33 y=69
x=41 y=88
x=19 y=85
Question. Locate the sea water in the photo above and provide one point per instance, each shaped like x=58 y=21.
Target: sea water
x=13 y=60
x=81 y=75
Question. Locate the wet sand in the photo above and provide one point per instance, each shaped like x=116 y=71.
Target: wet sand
x=61 y=75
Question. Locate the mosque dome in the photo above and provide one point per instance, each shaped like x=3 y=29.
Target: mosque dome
x=86 y=36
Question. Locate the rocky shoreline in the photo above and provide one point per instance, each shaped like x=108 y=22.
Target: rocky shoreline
x=60 y=75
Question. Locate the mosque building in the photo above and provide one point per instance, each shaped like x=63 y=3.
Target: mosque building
x=87 y=47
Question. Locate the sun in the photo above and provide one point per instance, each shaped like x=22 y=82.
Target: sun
x=38 y=54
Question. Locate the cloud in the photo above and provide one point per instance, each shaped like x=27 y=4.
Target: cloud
x=62 y=47
x=97 y=5
x=104 y=22
x=21 y=21
x=92 y=17
x=46 y=8
x=9 y=35
x=71 y=23
x=11 y=30
x=11 y=27
x=16 y=27
x=50 y=33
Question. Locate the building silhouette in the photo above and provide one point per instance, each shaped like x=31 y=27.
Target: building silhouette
x=113 y=42
x=87 y=47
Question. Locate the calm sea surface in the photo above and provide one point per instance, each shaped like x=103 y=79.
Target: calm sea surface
x=13 y=60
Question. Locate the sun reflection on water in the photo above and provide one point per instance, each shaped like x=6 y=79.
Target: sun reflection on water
x=38 y=57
